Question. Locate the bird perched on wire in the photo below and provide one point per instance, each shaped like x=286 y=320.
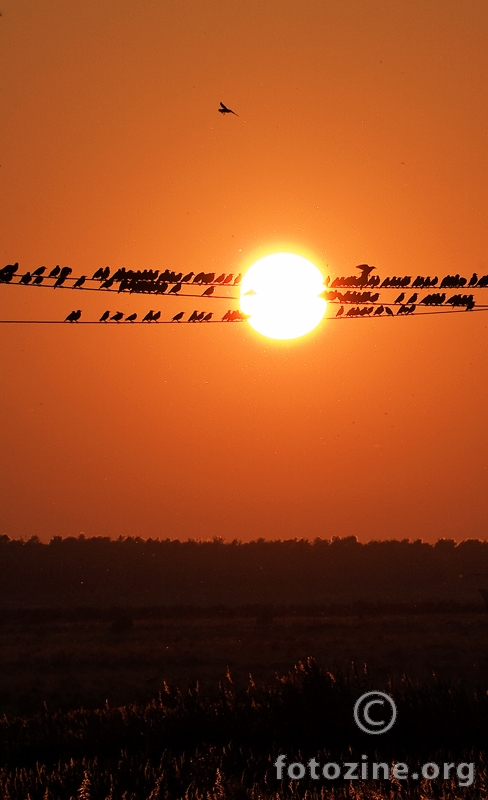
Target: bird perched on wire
x=79 y=283
x=74 y=316
x=224 y=110
x=209 y=291
x=389 y=311
x=98 y=275
x=175 y=289
x=62 y=276
x=37 y=280
x=26 y=278
x=379 y=311
x=178 y=316
x=149 y=316
x=208 y=317
x=156 y=316
x=131 y=318
x=39 y=271
x=413 y=298
x=237 y=280
x=117 y=316
x=400 y=298
x=104 y=316
x=55 y=272
x=193 y=316
x=187 y=277
x=340 y=311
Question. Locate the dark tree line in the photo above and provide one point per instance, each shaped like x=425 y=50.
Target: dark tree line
x=103 y=572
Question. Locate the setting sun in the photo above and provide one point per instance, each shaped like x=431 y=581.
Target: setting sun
x=281 y=294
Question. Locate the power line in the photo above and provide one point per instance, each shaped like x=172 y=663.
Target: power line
x=112 y=324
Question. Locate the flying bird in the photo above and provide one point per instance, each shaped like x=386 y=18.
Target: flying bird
x=224 y=110
x=74 y=316
x=178 y=316
x=105 y=316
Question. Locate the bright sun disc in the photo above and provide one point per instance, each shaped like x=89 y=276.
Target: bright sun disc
x=281 y=295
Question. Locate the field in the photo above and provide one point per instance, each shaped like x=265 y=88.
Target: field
x=127 y=656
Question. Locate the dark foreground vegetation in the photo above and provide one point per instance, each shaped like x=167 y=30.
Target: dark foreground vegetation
x=113 y=655
x=221 y=742
x=102 y=572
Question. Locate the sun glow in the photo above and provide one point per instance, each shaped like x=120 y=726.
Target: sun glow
x=281 y=294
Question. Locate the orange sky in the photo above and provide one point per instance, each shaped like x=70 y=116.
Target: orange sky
x=361 y=137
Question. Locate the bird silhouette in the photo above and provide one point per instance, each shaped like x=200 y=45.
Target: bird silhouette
x=208 y=291
x=178 y=316
x=237 y=280
x=187 y=277
x=400 y=298
x=208 y=317
x=175 y=289
x=105 y=273
x=98 y=275
x=26 y=278
x=107 y=283
x=39 y=271
x=55 y=272
x=105 y=316
x=193 y=316
x=413 y=298
x=224 y=110
x=79 y=283
x=37 y=280
x=379 y=311
x=474 y=280
x=62 y=276
x=148 y=316
x=228 y=278
x=220 y=279
x=74 y=316
x=340 y=312
x=389 y=311
x=156 y=316
x=131 y=318
x=117 y=316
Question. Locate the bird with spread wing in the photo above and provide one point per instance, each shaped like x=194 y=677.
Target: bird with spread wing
x=224 y=110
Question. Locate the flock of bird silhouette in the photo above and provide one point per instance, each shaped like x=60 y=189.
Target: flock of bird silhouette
x=362 y=301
